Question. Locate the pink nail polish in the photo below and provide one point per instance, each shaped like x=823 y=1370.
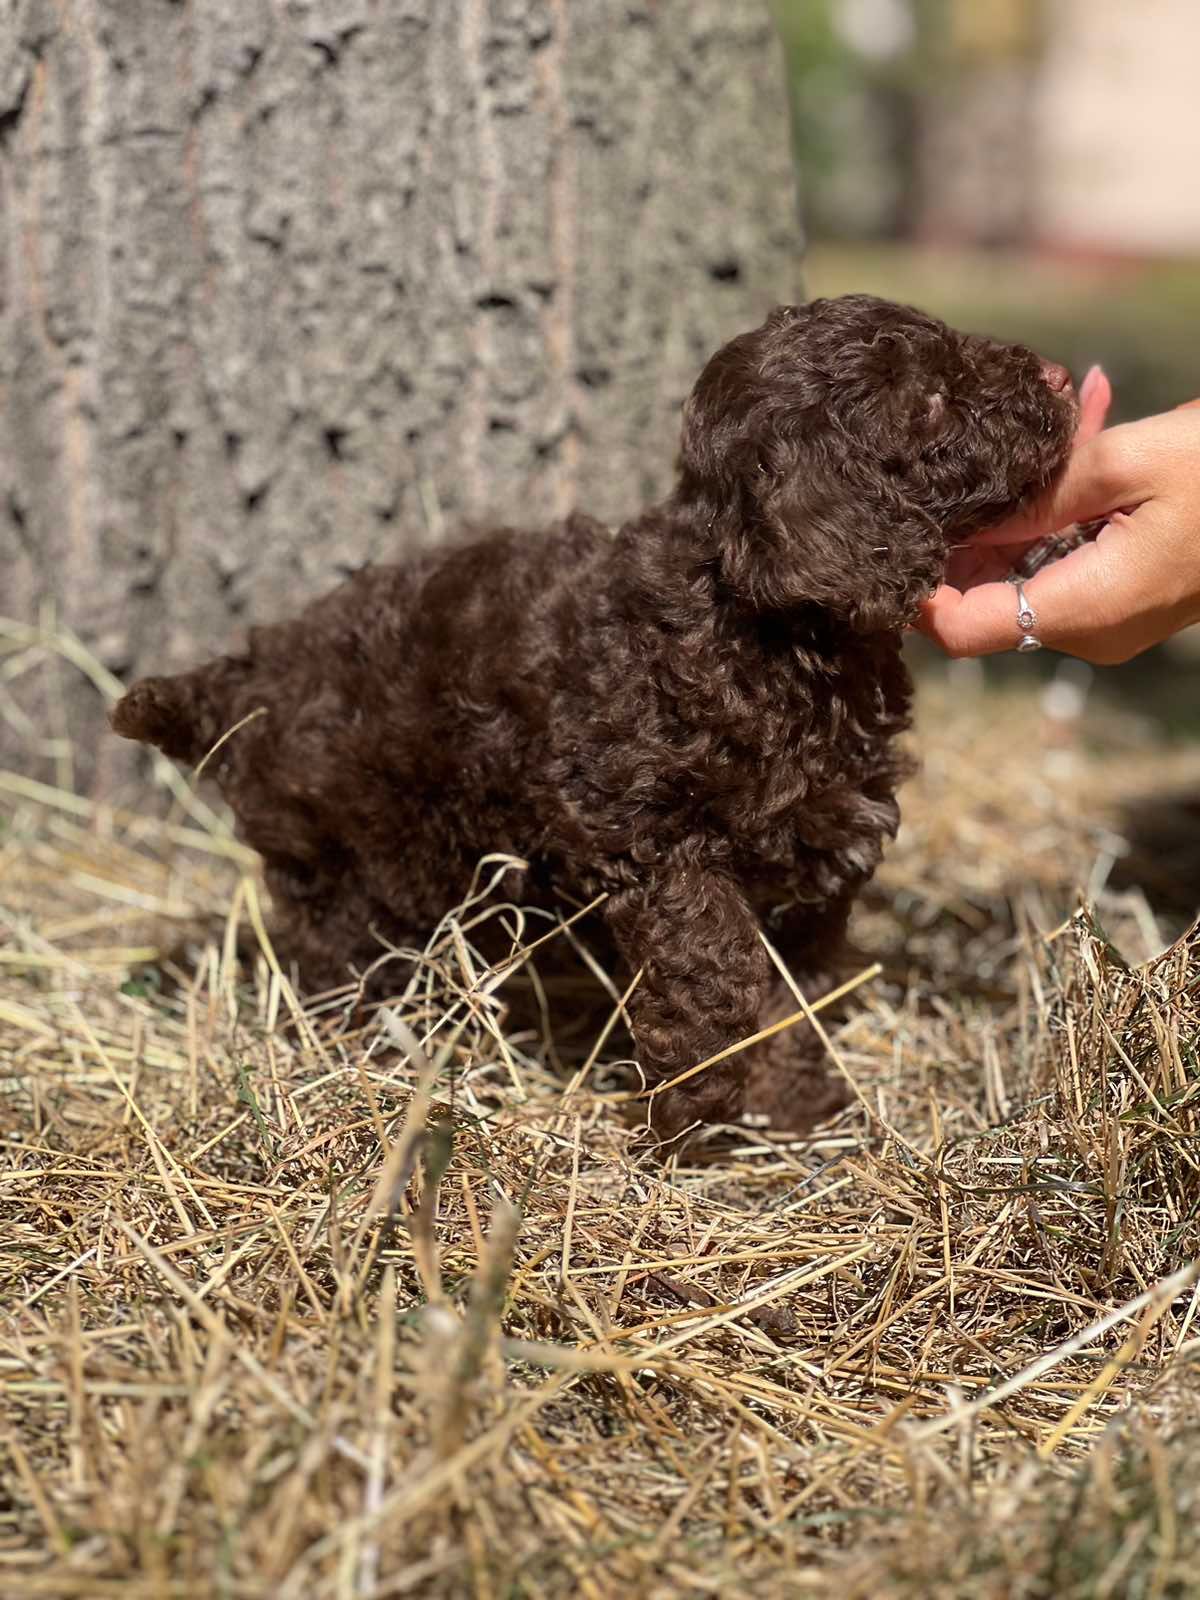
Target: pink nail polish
x=1089 y=383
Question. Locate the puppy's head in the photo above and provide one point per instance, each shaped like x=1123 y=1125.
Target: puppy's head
x=839 y=450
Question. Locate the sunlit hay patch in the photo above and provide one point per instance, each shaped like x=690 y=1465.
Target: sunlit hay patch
x=316 y=1299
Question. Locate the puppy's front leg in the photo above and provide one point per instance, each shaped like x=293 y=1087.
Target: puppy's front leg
x=787 y=1078
x=705 y=975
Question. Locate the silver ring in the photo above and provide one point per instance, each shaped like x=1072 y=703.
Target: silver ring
x=1026 y=619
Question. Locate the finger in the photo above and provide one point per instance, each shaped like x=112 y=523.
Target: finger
x=1106 y=472
x=974 y=562
x=977 y=622
x=1095 y=398
x=1074 y=599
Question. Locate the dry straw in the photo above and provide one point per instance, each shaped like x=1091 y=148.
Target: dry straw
x=319 y=1302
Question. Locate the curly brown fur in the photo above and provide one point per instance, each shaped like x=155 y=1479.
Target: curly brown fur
x=696 y=717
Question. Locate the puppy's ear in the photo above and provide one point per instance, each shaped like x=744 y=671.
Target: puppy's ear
x=862 y=552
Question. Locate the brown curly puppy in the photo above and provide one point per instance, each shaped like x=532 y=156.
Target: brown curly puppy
x=696 y=717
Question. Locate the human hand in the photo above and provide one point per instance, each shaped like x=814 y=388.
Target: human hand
x=1136 y=584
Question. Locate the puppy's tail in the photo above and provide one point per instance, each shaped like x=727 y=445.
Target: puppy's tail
x=182 y=716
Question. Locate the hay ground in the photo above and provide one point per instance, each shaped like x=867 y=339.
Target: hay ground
x=318 y=1304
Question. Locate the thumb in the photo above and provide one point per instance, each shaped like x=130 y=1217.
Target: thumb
x=1095 y=398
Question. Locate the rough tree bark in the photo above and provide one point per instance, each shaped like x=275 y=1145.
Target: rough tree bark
x=289 y=285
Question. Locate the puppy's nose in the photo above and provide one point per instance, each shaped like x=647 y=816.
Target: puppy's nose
x=1056 y=375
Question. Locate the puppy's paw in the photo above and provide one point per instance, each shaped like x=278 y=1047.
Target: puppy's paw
x=713 y=1096
x=794 y=1094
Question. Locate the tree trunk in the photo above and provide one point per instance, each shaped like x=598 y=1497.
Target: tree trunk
x=290 y=285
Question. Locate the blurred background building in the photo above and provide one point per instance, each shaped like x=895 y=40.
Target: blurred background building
x=1116 y=145
x=1026 y=166
x=1067 y=123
